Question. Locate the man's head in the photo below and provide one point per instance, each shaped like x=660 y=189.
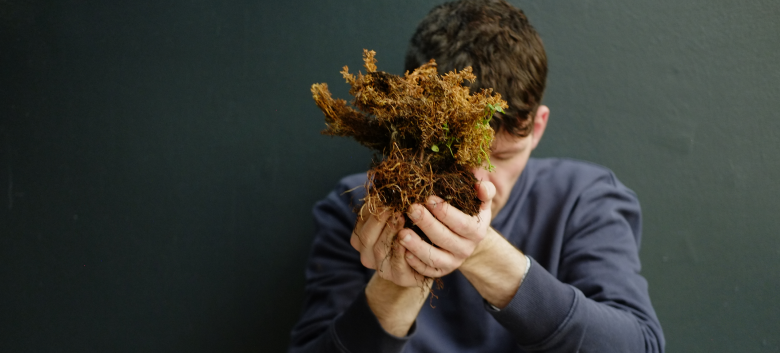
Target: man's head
x=497 y=41
x=506 y=54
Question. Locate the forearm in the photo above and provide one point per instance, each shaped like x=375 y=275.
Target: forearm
x=379 y=319
x=547 y=315
x=496 y=269
x=396 y=308
x=355 y=329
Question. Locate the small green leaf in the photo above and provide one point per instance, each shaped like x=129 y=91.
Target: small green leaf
x=435 y=148
x=498 y=109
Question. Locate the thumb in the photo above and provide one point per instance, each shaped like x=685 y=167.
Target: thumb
x=485 y=192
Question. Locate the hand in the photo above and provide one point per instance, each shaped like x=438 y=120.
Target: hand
x=374 y=237
x=455 y=233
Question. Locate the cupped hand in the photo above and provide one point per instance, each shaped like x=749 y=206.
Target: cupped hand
x=455 y=233
x=374 y=237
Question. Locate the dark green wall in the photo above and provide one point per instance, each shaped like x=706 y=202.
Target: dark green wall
x=161 y=160
x=681 y=100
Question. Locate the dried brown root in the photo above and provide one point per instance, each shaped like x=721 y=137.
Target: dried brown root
x=429 y=129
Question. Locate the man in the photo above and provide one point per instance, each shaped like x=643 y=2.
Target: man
x=550 y=264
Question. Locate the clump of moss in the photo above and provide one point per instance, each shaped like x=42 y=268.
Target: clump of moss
x=428 y=130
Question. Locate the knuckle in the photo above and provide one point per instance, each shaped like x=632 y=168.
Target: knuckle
x=377 y=252
x=424 y=270
x=474 y=232
x=461 y=253
x=366 y=261
x=451 y=244
x=449 y=264
x=476 y=229
x=415 y=267
x=424 y=221
x=398 y=221
x=441 y=213
x=391 y=231
x=355 y=241
x=435 y=261
x=445 y=243
x=460 y=225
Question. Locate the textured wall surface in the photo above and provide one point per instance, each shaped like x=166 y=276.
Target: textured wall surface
x=680 y=99
x=161 y=159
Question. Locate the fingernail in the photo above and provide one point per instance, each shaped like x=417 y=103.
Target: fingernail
x=409 y=256
x=406 y=238
x=415 y=215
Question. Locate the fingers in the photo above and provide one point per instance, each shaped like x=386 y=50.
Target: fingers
x=485 y=192
x=402 y=273
x=375 y=237
x=371 y=234
x=422 y=268
x=400 y=255
x=373 y=224
x=454 y=233
x=440 y=261
x=383 y=248
x=394 y=267
x=472 y=228
x=365 y=231
x=453 y=219
x=438 y=232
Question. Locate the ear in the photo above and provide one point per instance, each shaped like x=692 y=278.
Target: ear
x=540 y=123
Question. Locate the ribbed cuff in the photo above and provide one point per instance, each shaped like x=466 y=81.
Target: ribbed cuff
x=358 y=330
x=540 y=307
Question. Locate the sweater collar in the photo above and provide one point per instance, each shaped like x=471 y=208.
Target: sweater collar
x=516 y=196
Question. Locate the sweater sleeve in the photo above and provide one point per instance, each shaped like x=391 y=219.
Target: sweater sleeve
x=598 y=302
x=336 y=316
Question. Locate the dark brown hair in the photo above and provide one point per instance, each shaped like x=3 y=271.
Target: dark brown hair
x=496 y=40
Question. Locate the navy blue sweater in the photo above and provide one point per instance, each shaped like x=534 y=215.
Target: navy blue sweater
x=583 y=292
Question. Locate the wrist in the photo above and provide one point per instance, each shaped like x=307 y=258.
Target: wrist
x=380 y=287
x=496 y=270
x=484 y=249
x=394 y=306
